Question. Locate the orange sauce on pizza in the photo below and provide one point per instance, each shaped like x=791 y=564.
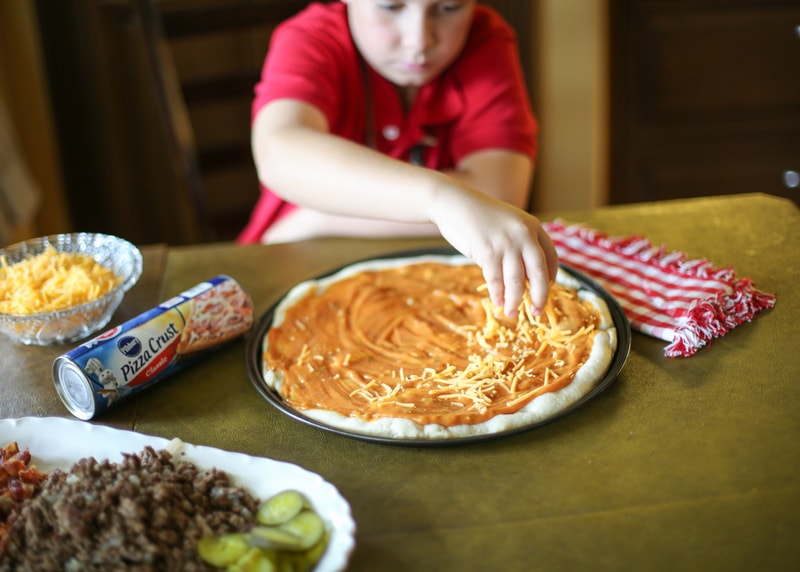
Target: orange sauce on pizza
x=424 y=342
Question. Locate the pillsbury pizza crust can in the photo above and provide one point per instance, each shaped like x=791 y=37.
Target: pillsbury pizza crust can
x=137 y=354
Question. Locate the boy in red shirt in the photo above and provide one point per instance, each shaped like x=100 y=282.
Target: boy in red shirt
x=402 y=118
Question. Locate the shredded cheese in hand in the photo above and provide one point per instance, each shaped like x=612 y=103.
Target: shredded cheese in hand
x=51 y=281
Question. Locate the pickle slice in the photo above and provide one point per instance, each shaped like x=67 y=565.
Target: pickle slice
x=281 y=507
x=304 y=561
x=271 y=538
x=224 y=550
x=316 y=552
x=255 y=560
x=290 y=537
x=307 y=527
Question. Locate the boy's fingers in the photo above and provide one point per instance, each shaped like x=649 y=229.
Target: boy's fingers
x=493 y=276
x=550 y=253
x=514 y=283
x=537 y=269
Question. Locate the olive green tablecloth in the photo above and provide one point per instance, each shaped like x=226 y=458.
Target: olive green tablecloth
x=685 y=463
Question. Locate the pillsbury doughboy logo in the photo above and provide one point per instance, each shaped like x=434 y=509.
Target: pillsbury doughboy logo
x=129 y=346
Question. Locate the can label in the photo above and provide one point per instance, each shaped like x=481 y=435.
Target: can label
x=142 y=351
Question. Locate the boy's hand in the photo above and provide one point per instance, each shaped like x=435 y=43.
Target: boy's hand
x=509 y=245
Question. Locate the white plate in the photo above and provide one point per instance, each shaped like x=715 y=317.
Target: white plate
x=55 y=442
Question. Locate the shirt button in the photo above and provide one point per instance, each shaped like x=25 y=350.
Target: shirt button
x=391 y=132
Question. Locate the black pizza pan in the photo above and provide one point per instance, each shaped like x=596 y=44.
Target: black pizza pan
x=254 y=362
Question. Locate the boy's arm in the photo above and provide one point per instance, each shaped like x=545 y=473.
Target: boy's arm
x=299 y=159
x=500 y=173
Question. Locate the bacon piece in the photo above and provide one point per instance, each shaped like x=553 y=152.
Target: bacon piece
x=19 y=481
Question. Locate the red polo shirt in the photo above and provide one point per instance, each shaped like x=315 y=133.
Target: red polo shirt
x=479 y=102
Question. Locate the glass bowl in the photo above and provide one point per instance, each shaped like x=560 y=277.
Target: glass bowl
x=76 y=322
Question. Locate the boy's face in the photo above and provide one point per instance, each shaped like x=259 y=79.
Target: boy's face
x=410 y=42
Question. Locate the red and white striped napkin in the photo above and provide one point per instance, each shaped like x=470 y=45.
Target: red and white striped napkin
x=685 y=302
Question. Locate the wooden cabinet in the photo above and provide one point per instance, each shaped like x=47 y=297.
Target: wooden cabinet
x=117 y=141
x=705 y=98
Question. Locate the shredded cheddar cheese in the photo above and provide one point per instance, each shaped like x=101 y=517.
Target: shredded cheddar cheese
x=458 y=361
x=51 y=281
x=477 y=383
x=475 y=386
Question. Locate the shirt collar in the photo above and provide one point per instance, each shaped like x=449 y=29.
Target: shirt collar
x=438 y=103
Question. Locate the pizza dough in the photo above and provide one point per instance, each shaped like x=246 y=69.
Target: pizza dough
x=412 y=348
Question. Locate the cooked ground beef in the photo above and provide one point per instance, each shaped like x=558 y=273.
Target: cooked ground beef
x=145 y=513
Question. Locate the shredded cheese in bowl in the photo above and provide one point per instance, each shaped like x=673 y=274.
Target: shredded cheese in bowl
x=52 y=281
x=63 y=288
